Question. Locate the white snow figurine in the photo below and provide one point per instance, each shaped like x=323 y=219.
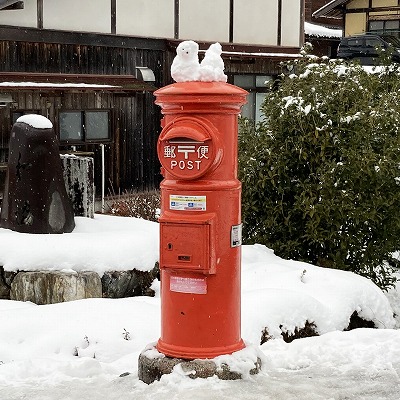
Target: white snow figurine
x=185 y=66
x=212 y=65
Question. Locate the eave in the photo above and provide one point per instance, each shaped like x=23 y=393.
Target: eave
x=333 y=9
x=17 y=81
x=9 y=3
x=243 y=51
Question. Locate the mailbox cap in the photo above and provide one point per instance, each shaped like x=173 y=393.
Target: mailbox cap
x=201 y=92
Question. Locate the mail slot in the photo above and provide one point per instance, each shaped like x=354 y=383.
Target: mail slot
x=188 y=147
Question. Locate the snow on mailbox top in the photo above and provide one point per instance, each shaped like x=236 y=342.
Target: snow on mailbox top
x=186 y=66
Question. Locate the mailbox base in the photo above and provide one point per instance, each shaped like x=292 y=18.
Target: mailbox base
x=190 y=353
x=153 y=365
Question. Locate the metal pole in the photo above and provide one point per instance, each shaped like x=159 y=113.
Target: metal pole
x=103 y=179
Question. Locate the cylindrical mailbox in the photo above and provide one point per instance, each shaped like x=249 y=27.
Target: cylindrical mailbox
x=200 y=222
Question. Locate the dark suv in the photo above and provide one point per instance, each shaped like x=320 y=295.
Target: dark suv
x=364 y=47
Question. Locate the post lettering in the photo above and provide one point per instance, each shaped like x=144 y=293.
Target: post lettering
x=182 y=164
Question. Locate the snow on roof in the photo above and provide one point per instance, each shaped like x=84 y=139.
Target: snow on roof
x=71 y=82
x=321 y=31
x=55 y=85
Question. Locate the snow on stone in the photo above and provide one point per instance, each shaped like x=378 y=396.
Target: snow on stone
x=36 y=121
x=279 y=286
x=242 y=361
x=321 y=31
x=107 y=243
x=185 y=66
x=104 y=243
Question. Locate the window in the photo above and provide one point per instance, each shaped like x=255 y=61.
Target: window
x=19 y=113
x=257 y=86
x=387 y=27
x=84 y=126
x=355 y=42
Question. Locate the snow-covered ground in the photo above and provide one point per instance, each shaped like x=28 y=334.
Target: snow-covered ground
x=78 y=350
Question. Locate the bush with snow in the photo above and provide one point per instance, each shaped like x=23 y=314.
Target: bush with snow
x=321 y=173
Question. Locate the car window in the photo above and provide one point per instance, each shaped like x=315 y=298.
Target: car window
x=355 y=42
x=392 y=40
x=373 y=42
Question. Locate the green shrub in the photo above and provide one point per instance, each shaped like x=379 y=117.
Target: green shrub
x=321 y=173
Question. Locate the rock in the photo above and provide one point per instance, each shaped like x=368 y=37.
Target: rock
x=35 y=199
x=6 y=278
x=356 y=322
x=308 y=330
x=4 y=292
x=4 y=288
x=118 y=284
x=55 y=287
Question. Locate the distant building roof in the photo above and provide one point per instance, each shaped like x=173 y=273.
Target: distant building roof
x=8 y=3
x=333 y=9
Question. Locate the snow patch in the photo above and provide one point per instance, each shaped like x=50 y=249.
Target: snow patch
x=36 y=121
x=79 y=349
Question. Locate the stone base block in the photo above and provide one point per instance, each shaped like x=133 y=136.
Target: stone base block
x=118 y=284
x=153 y=365
x=55 y=287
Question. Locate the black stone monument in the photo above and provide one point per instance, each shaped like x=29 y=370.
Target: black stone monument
x=35 y=198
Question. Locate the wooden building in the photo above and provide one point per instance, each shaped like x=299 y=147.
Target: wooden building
x=324 y=33
x=91 y=66
x=360 y=16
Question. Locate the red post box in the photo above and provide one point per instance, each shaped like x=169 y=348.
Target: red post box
x=200 y=222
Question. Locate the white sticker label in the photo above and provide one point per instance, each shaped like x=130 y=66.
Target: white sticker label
x=187 y=203
x=236 y=235
x=188 y=285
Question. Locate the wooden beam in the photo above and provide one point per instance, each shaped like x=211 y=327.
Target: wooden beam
x=176 y=19
x=19 y=5
x=114 y=16
x=79 y=38
x=231 y=20
x=40 y=14
x=6 y=3
x=279 y=33
x=372 y=9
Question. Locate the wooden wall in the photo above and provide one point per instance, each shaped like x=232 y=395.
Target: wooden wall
x=80 y=59
x=131 y=159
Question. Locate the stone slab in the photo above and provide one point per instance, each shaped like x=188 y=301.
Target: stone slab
x=152 y=365
x=49 y=287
